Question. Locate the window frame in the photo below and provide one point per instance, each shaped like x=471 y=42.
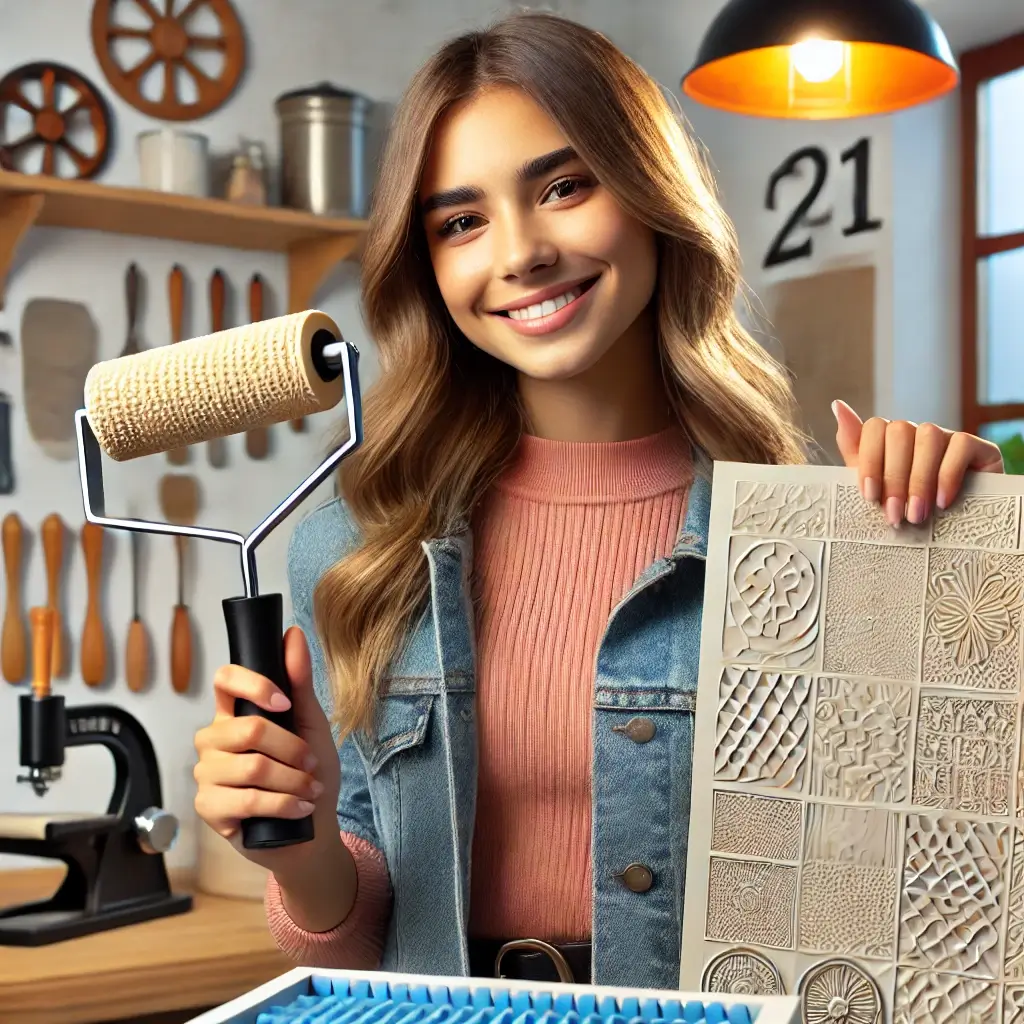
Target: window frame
x=977 y=67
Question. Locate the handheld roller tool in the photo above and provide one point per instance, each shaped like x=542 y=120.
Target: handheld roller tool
x=213 y=386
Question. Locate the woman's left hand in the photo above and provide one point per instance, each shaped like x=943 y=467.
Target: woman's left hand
x=907 y=468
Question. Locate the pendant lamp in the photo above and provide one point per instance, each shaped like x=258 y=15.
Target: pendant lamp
x=821 y=59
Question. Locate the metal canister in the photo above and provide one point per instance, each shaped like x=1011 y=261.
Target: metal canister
x=323 y=150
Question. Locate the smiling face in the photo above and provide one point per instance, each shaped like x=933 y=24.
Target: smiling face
x=536 y=261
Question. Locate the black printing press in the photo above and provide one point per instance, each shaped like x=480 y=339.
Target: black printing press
x=116 y=874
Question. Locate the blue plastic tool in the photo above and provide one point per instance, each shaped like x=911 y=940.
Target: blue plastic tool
x=336 y=1001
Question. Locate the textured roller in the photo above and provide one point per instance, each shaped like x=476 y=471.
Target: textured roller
x=213 y=386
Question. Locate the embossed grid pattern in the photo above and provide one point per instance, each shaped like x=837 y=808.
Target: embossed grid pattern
x=762 y=727
x=756 y=826
x=871 y=676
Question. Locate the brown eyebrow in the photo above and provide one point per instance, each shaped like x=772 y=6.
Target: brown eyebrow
x=533 y=169
x=541 y=165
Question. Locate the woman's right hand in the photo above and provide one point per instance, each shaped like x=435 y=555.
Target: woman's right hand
x=251 y=767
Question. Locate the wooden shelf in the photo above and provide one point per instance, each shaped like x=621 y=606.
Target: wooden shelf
x=314 y=244
x=219 y=950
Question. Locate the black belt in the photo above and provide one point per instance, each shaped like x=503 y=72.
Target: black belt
x=530 y=960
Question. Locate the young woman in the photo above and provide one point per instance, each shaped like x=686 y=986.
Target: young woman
x=502 y=614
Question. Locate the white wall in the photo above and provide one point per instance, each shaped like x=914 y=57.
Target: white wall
x=745 y=152
x=374 y=47
x=926 y=263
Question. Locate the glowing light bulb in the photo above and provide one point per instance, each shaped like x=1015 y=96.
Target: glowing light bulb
x=818 y=60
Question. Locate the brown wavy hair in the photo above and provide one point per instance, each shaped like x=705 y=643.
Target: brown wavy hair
x=443 y=418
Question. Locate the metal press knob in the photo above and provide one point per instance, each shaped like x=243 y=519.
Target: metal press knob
x=156 y=830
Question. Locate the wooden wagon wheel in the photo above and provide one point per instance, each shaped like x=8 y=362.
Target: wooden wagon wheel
x=171 y=44
x=51 y=121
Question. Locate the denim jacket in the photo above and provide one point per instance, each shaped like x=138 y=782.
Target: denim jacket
x=410 y=790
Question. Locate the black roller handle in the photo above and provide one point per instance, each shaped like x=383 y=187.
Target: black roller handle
x=255 y=642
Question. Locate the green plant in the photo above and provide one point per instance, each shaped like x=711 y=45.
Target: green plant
x=1013 y=454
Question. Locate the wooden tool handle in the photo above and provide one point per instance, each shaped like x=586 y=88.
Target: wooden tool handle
x=217 y=301
x=136 y=657
x=42 y=649
x=181 y=650
x=257 y=440
x=176 y=300
x=53 y=548
x=93 y=654
x=176 y=294
x=14 y=653
x=181 y=630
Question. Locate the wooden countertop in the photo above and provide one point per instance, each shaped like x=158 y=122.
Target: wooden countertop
x=215 y=952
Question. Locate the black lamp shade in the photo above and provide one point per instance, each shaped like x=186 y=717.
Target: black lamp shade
x=893 y=55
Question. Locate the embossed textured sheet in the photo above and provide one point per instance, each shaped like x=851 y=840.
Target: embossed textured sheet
x=857 y=821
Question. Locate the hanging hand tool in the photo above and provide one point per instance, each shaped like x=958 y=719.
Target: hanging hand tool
x=6 y=458
x=136 y=667
x=14 y=655
x=176 y=301
x=93 y=655
x=257 y=440
x=181 y=630
x=53 y=548
x=217 y=449
x=131 y=288
x=179 y=502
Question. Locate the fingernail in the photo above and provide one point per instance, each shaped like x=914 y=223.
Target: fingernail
x=894 y=511
x=835 y=410
x=279 y=702
x=916 y=510
x=310 y=763
x=305 y=806
x=316 y=788
x=941 y=500
x=872 y=492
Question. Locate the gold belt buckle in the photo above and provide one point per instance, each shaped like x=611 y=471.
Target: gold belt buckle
x=562 y=968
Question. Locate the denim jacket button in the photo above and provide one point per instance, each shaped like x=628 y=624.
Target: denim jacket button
x=639 y=730
x=637 y=878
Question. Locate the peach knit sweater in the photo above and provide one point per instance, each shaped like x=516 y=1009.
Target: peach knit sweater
x=557 y=543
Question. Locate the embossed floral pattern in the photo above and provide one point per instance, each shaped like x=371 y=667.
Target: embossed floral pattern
x=970 y=610
x=839 y=992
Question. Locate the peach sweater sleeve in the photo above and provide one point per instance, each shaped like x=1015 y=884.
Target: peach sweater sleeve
x=358 y=942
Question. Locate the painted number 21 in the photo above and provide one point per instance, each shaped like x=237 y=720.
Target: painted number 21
x=860 y=155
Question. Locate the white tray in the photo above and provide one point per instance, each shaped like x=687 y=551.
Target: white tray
x=288 y=987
